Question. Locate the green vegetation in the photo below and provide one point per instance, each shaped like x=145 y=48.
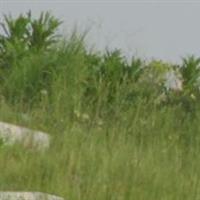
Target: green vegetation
x=119 y=131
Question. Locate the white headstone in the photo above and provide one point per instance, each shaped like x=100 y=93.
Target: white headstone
x=11 y=134
x=28 y=196
x=173 y=82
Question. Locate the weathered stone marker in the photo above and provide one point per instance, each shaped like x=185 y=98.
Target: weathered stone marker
x=11 y=134
x=27 y=196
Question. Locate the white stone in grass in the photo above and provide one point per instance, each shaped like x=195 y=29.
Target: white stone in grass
x=28 y=196
x=11 y=134
x=173 y=81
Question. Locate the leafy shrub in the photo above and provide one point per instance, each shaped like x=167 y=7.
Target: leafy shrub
x=111 y=80
x=24 y=34
x=190 y=71
x=25 y=54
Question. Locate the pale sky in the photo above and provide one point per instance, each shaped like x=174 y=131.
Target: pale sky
x=163 y=29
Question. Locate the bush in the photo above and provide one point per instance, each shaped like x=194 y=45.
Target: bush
x=24 y=34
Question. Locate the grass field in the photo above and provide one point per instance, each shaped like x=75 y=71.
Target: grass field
x=117 y=132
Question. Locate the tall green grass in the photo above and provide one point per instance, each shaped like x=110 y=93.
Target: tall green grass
x=118 y=132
